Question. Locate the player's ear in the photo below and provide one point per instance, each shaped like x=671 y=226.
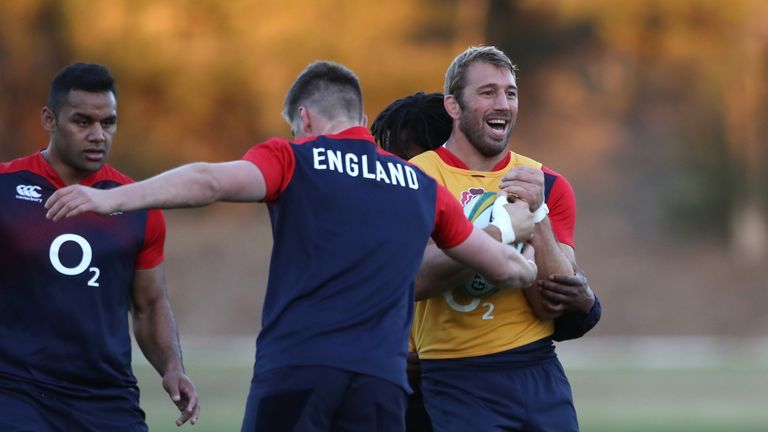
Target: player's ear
x=305 y=118
x=47 y=119
x=365 y=121
x=452 y=106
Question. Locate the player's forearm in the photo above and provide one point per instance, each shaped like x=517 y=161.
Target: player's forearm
x=157 y=336
x=586 y=301
x=536 y=303
x=191 y=185
x=518 y=272
x=499 y=264
x=439 y=272
x=551 y=261
x=549 y=256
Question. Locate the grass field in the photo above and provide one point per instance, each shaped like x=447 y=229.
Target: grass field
x=619 y=384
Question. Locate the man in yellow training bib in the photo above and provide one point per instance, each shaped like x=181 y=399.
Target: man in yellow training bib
x=488 y=361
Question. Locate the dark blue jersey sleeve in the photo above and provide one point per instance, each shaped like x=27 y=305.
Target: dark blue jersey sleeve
x=573 y=325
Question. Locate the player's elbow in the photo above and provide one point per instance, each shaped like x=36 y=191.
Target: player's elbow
x=208 y=189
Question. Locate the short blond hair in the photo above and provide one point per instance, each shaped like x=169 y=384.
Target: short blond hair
x=456 y=75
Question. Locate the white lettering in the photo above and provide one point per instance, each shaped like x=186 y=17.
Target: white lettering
x=334 y=160
x=351 y=164
x=28 y=193
x=85 y=261
x=381 y=174
x=28 y=190
x=318 y=158
x=366 y=172
x=366 y=166
x=413 y=181
x=488 y=315
x=396 y=173
x=95 y=278
x=458 y=307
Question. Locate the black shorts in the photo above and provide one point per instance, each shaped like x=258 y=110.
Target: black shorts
x=317 y=398
x=26 y=407
x=521 y=389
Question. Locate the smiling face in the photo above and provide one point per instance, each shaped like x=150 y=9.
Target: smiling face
x=81 y=133
x=488 y=105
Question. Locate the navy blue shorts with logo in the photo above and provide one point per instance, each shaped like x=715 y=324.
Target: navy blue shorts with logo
x=524 y=389
x=317 y=398
x=26 y=407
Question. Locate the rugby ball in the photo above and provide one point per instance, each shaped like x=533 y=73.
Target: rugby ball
x=478 y=210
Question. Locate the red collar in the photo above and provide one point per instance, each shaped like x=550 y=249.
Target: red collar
x=355 y=132
x=42 y=166
x=454 y=161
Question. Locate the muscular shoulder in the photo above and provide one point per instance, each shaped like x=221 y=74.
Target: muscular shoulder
x=26 y=163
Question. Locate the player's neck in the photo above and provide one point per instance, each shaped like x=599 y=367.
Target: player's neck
x=321 y=126
x=459 y=145
x=66 y=173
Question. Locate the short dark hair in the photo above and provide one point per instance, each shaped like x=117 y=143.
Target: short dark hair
x=79 y=76
x=330 y=88
x=456 y=75
x=419 y=119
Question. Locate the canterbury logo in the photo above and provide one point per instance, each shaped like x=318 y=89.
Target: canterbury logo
x=28 y=192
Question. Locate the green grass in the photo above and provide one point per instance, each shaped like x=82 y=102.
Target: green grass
x=221 y=369
x=702 y=400
x=222 y=393
x=726 y=394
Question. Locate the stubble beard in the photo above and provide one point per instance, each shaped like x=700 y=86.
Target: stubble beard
x=473 y=130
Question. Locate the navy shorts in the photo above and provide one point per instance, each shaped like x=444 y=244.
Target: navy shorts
x=26 y=407
x=317 y=398
x=511 y=391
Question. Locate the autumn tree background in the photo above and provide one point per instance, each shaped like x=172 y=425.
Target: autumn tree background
x=654 y=110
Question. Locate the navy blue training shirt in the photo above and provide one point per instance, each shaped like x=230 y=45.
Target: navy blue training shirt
x=350 y=224
x=65 y=287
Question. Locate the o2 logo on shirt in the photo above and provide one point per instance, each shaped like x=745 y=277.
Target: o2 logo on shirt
x=478 y=208
x=468 y=307
x=85 y=261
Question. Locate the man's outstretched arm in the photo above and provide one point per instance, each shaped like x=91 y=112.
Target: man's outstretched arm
x=500 y=264
x=193 y=185
x=439 y=272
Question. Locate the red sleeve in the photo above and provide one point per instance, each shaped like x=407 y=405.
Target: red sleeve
x=276 y=162
x=451 y=226
x=152 y=252
x=562 y=209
